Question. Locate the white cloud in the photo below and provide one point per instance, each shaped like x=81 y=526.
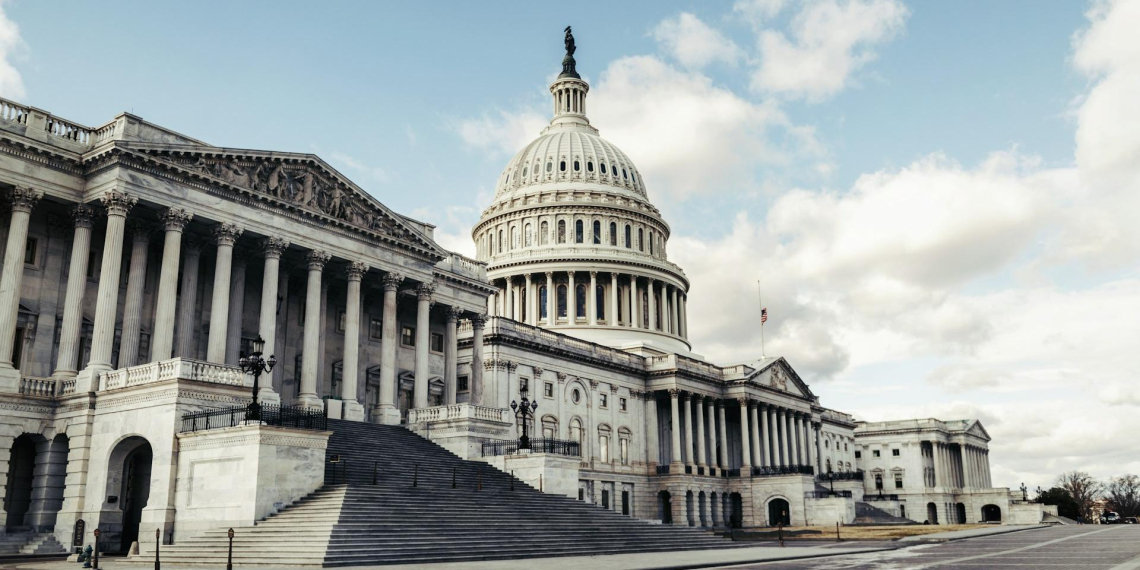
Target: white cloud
x=757 y=12
x=373 y=173
x=830 y=40
x=502 y=132
x=693 y=43
x=11 y=83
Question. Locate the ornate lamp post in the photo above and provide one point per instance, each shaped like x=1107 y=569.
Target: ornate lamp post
x=255 y=364
x=1024 y=492
x=522 y=412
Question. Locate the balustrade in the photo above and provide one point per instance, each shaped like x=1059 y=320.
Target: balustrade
x=175 y=368
x=30 y=386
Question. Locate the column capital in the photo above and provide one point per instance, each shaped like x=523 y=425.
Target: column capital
x=687 y=396
x=537 y=370
x=317 y=259
x=83 y=215
x=478 y=321
x=392 y=281
x=118 y=203
x=192 y=244
x=24 y=198
x=355 y=270
x=273 y=247
x=453 y=313
x=226 y=234
x=743 y=401
x=674 y=393
x=593 y=275
x=174 y=219
x=140 y=231
x=424 y=291
x=550 y=276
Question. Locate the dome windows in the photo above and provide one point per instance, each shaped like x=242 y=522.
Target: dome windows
x=544 y=233
x=577 y=166
x=578 y=237
x=524 y=171
x=628 y=237
x=624 y=175
x=562 y=166
x=613 y=234
x=561 y=231
x=549 y=166
x=633 y=176
x=589 y=166
x=603 y=166
x=640 y=239
x=597 y=232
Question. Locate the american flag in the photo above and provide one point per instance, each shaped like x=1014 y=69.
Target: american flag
x=763 y=315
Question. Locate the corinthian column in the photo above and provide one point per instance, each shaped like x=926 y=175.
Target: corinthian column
x=67 y=364
x=272 y=247
x=551 y=295
x=571 y=299
x=677 y=461
x=451 y=348
x=634 y=303
x=529 y=305
x=687 y=398
x=389 y=414
x=188 y=300
x=612 y=314
x=237 y=307
x=162 y=345
x=702 y=455
x=423 y=339
x=592 y=300
x=477 y=323
x=225 y=235
x=132 y=305
x=311 y=347
x=745 y=446
x=106 y=306
x=23 y=200
x=651 y=292
x=350 y=366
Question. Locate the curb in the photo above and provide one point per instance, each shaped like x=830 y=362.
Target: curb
x=724 y=564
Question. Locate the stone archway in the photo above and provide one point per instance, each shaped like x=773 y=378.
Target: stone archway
x=931 y=513
x=960 y=512
x=127 y=491
x=991 y=513
x=779 y=512
x=737 y=520
x=665 y=507
x=18 y=487
x=702 y=507
x=689 y=507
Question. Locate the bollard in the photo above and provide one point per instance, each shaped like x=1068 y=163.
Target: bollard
x=781 y=531
x=157 y=547
x=96 y=564
x=230 y=553
x=837 y=538
x=453 y=468
x=416 y=475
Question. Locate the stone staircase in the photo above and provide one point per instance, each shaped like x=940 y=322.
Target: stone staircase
x=30 y=543
x=414 y=514
x=866 y=513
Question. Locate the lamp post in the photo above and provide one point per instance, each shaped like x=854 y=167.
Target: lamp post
x=831 y=479
x=255 y=364
x=1024 y=492
x=522 y=411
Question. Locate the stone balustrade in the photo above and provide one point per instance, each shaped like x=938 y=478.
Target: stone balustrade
x=56 y=127
x=458 y=412
x=30 y=386
x=463 y=265
x=175 y=368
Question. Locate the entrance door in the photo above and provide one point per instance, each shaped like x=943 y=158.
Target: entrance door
x=665 y=507
x=991 y=513
x=778 y=512
x=625 y=503
x=18 y=488
x=931 y=513
x=960 y=510
x=606 y=499
x=136 y=491
x=738 y=511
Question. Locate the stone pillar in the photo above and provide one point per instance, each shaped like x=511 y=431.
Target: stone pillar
x=529 y=311
x=272 y=247
x=389 y=414
x=551 y=297
x=702 y=455
x=311 y=343
x=451 y=349
x=23 y=200
x=652 y=451
x=350 y=365
x=592 y=300
x=132 y=305
x=634 y=303
x=745 y=445
x=67 y=363
x=162 y=338
x=674 y=322
x=612 y=315
x=684 y=316
x=651 y=291
x=226 y=235
x=757 y=445
x=48 y=476
x=423 y=340
x=571 y=299
x=782 y=428
x=722 y=432
x=237 y=308
x=816 y=428
x=714 y=455
x=769 y=438
x=106 y=306
x=688 y=399
x=677 y=461
x=187 y=321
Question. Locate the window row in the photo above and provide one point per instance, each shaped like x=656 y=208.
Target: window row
x=616 y=173
x=593 y=232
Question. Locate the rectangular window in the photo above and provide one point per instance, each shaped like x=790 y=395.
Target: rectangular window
x=375 y=329
x=622 y=404
x=436 y=342
x=341 y=318
x=461 y=384
x=894 y=453
x=407 y=335
x=858 y=455
x=875 y=453
x=524 y=385
x=603 y=400
x=604 y=448
x=30 y=251
x=548 y=390
x=624 y=443
x=898 y=481
x=581 y=494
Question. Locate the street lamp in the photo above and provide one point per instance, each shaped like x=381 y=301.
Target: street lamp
x=831 y=479
x=1024 y=492
x=522 y=411
x=255 y=364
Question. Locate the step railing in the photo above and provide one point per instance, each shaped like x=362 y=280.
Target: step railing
x=496 y=447
x=273 y=415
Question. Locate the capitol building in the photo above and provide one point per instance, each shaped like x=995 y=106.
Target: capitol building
x=140 y=265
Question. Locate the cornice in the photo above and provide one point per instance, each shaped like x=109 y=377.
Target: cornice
x=55 y=159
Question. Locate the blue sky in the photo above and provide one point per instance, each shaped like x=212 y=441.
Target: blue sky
x=937 y=196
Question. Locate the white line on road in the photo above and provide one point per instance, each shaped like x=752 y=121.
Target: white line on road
x=1023 y=548
x=1130 y=565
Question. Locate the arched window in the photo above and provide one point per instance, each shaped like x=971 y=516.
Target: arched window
x=578 y=237
x=640 y=239
x=600 y=301
x=603 y=165
x=628 y=237
x=651 y=242
x=549 y=166
x=613 y=234
x=633 y=176
x=528 y=235
x=500 y=241
x=577 y=166
x=576 y=430
x=604 y=444
x=562 y=301
x=562 y=166
x=561 y=231
x=544 y=233
x=623 y=174
x=624 y=437
x=542 y=302
x=597 y=232
x=589 y=166
x=515 y=238
x=580 y=301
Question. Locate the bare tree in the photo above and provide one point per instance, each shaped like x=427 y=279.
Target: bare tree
x=1083 y=489
x=1123 y=495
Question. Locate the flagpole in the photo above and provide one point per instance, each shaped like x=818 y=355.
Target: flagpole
x=760 y=298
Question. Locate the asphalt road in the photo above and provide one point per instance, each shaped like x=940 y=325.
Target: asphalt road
x=1084 y=547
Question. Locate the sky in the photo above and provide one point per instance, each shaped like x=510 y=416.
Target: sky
x=935 y=199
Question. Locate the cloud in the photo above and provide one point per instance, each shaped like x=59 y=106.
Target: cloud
x=501 y=132
x=374 y=173
x=757 y=12
x=693 y=43
x=830 y=40
x=11 y=44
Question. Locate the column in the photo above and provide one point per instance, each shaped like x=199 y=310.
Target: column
x=592 y=299
x=714 y=455
x=793 y=439
x=187 y=321
x=529 y=301
x=684 y=316
x=782 y=427
x=312 y=330
x=612 y=315
x=272 y=247
x=745 y=445
x=551 y=297
x=653 y=454
x=816 y=428
x=571 y=299
x=634 y=303
x=350 y=364
x=389 y=414
x=423 y=339
x=769 y=437
x=106 y=305
x=702 y=456
x=477 y=324
x=451 y=351
x=722 y=432
x=689 y=430
x=237 y=308
x=162 y=337
x=68 y=361
x=674 y=322
x=757 y=442
x=132 y=305
x=23 y=200
x=226 y=235
x=651 y=291
x=674 y=394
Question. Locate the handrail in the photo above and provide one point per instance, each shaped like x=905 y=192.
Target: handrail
x=569 y=448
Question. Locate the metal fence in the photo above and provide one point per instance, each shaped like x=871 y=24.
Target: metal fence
x=782 y=470
x=870 y=498
x=841 y=476
x=273 y=415
x=826 y=494
x=565 y=447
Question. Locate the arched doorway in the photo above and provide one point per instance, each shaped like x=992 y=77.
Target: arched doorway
x=689 y=508
x=932 y=513
x=128 y=490
x=702 y=506
x=960 y=510
x=18 y=487
x=665 y=507
x=714 y=508
x=779 y=513
x=991 y=513
x=737 y=510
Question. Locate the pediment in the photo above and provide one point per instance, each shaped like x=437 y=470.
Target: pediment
x=779 y=375
x=295 y=182
x=975 y=429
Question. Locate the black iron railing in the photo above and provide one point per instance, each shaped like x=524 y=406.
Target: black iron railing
x=283 y=416
x=880 y=497
x=565 y=447
x=826 y=494
x=840 y=476
x=774 y=471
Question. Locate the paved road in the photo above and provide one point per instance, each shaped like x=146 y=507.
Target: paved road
x=1087 y=547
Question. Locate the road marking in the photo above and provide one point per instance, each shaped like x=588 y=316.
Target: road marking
x=1030 y=547
x=1130 y=565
